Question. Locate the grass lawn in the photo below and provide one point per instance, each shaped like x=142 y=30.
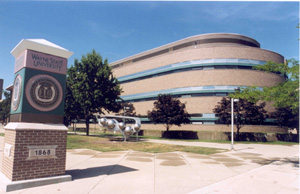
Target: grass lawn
x=115 y=143
x=195 y=140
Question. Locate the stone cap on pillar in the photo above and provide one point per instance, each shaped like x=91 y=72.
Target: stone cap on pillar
x=41 y=45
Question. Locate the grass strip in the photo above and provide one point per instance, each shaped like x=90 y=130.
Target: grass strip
x=109 y=134
x=107 y=144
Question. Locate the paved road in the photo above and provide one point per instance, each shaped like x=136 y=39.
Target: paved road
x=251 y=168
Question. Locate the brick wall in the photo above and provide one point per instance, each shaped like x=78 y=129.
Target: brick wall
x=220 y=128
x=216 y=77
x=211 y=128
x=202 y=104
x=16 y=167
x=198 y=53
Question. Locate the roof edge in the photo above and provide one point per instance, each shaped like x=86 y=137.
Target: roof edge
x=195 y=38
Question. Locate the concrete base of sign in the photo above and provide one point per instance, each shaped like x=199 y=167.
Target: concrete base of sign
x=34 y=150
x=8 y=185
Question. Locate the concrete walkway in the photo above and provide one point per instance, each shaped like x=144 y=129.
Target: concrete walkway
x=251 y=168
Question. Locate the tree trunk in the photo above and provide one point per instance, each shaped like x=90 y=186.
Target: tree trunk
x=238 y=133
x=87 y=124
x=167 y=132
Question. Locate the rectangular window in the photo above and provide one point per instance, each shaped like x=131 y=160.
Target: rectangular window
x=208 y=67
x=197 y=123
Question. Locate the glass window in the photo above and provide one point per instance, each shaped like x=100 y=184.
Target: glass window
x=197 y=123
x=245 y=67
x=208 y=61
x=208 y=67
x=221 y=87
x=262 y=62
x=231 y=67
x=243 y=61
x=220 y=60
x=197 y=68
x=220 y=67
x=208 y=123
x=208 y=87
x=197 y=62
x=208 y=115
x=221 y=94
x=186 y=66
x=232 y=60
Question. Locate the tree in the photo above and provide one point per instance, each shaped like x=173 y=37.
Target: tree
x=285 y=117
x=168 y=111
x=5 y=107
x=91 y=88
x=284 y=95
x=72 y=107
x=128 y=108
x=245 y=113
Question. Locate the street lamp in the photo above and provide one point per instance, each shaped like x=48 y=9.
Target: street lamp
x=124 y=109
x=232 y=120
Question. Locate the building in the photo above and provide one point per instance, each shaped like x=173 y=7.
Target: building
x=199 y=70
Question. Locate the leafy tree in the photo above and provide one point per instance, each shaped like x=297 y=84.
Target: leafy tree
x=245 y=113
x=169 y=111
x=5 y=107
x=128 y=108
x=285 y=117
x=285 y=95
x=91 y=88
x=72 y=107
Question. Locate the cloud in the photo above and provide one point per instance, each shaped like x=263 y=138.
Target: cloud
x=270 y=11
x=259 y=11
x=108 y=31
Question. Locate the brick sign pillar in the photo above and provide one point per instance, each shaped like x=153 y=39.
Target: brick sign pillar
x=35 y=138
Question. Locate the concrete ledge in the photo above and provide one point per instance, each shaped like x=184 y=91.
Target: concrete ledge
x=35 y=126
x=8 y=185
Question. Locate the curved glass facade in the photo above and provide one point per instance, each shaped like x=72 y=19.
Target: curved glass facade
x=192 y=65
x=183 y=92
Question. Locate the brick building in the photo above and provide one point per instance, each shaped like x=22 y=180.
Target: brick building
x=198 y=70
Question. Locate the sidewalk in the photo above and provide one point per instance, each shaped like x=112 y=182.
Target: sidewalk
x=252 y=168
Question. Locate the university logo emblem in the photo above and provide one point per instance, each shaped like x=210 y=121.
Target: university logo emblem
x=16 y=97
x=44 y=92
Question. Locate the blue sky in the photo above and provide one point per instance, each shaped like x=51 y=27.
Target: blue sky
x=120 y=29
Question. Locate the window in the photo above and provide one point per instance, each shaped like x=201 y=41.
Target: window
x=206 y=64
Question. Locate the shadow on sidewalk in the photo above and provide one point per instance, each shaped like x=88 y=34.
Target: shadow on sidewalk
x=98 y=171
x=279 y=161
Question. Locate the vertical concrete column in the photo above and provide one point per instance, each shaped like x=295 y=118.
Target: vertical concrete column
x=35 y=138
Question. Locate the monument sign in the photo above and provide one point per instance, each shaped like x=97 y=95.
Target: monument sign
x=35 y=138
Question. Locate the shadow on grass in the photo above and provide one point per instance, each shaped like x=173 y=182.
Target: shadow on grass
x=112 y=137
x=121 y=139
x=98 y=171
x=118 y=137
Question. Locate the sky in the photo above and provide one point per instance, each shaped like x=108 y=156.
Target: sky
x=121 y=29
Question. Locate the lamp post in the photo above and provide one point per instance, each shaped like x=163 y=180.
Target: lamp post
x=232 y=120
x=124 y=109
